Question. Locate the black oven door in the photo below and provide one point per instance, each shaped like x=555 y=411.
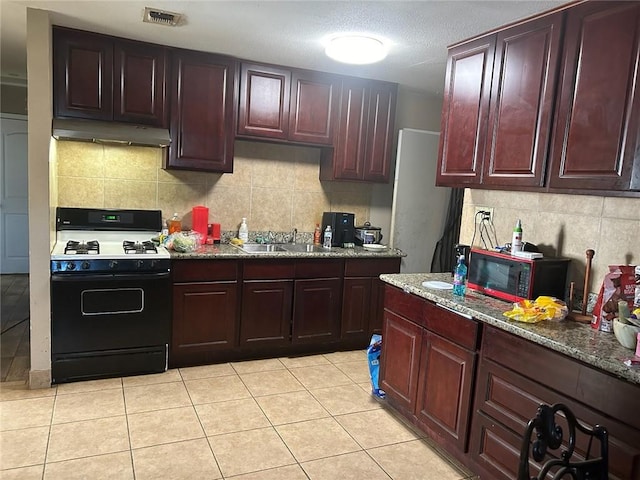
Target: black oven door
x=109 y=325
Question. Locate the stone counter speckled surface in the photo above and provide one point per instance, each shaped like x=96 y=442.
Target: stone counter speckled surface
x=576 y=340
x=224 y=250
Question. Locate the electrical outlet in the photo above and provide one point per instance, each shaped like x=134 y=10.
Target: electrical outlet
x=478 y=217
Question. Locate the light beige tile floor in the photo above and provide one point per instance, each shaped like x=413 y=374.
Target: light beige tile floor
x=301 y=418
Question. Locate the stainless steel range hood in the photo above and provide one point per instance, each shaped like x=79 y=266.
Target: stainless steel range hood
x=110 y=132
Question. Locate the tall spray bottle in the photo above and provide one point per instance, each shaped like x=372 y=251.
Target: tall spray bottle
x=516 y=240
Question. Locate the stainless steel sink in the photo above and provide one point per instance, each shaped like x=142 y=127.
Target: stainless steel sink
x=262 y=248
x=303 y=247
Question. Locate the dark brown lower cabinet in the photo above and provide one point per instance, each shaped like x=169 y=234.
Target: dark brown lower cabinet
x=267 y=303
x=515 y=376
x=444 y=389
x=316 y=310
x=428 y=366
x=402 y=340
x=205 y=311
x=363 y=297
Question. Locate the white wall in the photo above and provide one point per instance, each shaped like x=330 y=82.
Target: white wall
x=41 y=233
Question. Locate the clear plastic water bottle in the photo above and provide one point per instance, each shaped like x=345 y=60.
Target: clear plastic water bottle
x=327 y=237
x=460 y=278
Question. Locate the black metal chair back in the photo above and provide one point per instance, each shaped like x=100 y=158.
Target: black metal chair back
x=549 y=436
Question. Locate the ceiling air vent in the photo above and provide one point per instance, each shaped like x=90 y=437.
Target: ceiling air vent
x=162 y=17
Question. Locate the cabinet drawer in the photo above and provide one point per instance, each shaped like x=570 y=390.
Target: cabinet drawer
x=583 y=383
x=451 y=326
x=512 y=400
x=268 y=270
x=319 y=268
x=405 y=304
x=204 y=270
x=371 y=268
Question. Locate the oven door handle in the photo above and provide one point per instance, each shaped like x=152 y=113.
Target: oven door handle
x=109 y=276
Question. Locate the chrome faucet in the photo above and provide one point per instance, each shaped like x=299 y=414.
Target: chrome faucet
x=294 y=233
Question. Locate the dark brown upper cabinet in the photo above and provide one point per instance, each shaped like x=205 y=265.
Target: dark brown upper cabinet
x=203 y=111
x=562 y=113
x=289 y=105
x=313 y=106
x=105 y=78
x=465 y=112
x=363 y=141
x=264 y=101
x=596 y=139
x=521 y=107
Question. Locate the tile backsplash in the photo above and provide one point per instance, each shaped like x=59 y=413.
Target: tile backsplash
x=276 y=187
x=565 y=226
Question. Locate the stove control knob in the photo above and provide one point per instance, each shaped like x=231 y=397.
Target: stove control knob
x=71 y=266
x=85 y=265
x=113 y=264
x=140 y=264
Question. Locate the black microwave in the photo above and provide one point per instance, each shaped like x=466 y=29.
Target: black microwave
x=513 y=278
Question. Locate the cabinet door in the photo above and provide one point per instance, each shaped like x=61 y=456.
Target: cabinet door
x=204 y=319
x=465 y=112
x=377 y=305
x=83 y=75
x=266 y=313
x=139 y=83
x=313 y=107
x=202 y=112
x=399 y=369
x=316 y=311
x=444 y=389
x=382 y=111
x=598 y=107
x=356 y=307
x=346 y=160
x=522 y=94
x=264 y=101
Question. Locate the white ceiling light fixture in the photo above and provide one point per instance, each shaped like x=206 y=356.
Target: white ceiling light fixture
x=356 y=49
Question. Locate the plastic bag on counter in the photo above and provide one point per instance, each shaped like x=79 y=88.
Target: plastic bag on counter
x=183 y=242
x=373 y=359
x=542 y=308
x=618 y=284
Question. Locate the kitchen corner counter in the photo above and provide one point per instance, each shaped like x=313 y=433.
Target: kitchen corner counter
x=576 y=340
x=226 y=251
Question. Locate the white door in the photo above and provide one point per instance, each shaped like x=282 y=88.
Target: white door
x=14 y=205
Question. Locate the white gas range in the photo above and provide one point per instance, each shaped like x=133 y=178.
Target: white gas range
x=96 y=240
x=110 y=295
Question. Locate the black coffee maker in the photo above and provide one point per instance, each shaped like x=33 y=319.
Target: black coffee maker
x=460 y=249
x=342 y=227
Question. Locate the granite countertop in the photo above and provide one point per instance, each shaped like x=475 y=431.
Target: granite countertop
x=576 y=340
x=225 y=250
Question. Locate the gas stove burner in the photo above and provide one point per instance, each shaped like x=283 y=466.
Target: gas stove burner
x=131 y=247
x=73 y=247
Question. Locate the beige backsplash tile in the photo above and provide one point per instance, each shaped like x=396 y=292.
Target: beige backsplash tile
x=185 y=176
x=627 y=208
x=179 y=198
x=566 y=225
x=241 y=176
x=351 y=202
x=272 y=173
x=135 y=163
x=308 y=208
x=80 y=192
x=80 y=159
x=227 y=206
x=130 y=194
x=271 y=209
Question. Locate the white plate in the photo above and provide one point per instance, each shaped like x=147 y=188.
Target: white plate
x=374 y=247
x=437 y=285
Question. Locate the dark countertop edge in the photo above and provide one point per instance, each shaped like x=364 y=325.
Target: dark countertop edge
x=581 y=348
x=229 y=251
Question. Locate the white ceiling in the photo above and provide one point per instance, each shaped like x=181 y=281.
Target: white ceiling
x=286 y=33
